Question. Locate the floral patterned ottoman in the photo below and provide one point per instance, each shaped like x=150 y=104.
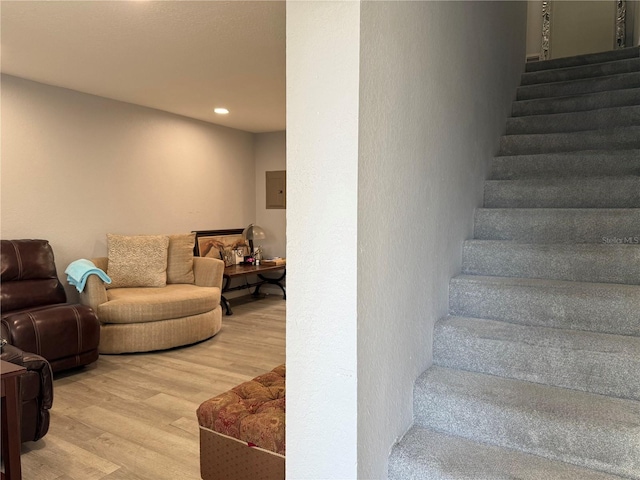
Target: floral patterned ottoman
x=242 y=431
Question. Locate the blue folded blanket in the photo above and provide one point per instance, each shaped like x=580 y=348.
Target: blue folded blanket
x=79 y=270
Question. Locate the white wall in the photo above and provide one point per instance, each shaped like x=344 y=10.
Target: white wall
x=579 y=27
x=534 y=27
x=322 y=165
x=437 y=81
x=77 y=166
x=270 y=153
x=636 y=23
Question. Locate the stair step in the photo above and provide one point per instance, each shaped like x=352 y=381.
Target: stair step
x=597 y=307
x=611 y=263
x=585 y=429
x=625 y=65
x=579 y=87
x=424 y=454
x=567 y=164
x=621 y=138
x=586 y=192
x=575 y=121
x=587 y=59
x=558 y=225
x=592 y=362
x=577 y=103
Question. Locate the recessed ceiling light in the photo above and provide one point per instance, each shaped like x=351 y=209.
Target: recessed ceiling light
x=221 y=111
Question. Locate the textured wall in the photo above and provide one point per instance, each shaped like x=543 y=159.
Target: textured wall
x=322 y=164
x=582 y=27
x=270 y=151
x=534 y=27
x=636 y=23
x=77 y=166
x=437 y=80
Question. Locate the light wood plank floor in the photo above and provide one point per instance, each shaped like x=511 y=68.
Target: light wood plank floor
x=132 y=417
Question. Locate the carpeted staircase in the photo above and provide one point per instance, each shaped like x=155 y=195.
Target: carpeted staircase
x=536 y=370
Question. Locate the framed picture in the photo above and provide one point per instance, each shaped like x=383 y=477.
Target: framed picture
x=227 y=245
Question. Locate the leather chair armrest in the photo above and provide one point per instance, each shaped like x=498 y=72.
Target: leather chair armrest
x=95 y=292
x=12 y=354
x=35 y=363
x=36 y=392
x=208 y=271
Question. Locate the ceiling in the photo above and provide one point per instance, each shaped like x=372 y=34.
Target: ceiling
x=183 y=57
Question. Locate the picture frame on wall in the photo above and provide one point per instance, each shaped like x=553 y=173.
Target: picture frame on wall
x=228 y=245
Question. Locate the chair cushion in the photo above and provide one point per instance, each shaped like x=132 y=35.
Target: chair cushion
x=134 y=305
x=253 y=411
x=29 y=277
x=26 y=260
x=137 y=261
x=31 y=294
x=56 y=332
x=180 y=258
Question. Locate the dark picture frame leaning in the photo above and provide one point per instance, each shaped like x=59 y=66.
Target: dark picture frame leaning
x=219 y=243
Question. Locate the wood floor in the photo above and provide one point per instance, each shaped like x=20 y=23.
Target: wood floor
x=132 y=417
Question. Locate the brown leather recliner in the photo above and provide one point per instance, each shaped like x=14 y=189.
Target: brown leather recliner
x=36 y=392
x=35 y=315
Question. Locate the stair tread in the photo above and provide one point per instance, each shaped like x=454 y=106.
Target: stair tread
x=602 y=263
x=627 y=138
x=601 y=363
x=587 y=429
x=545 y=336
x=584 y=59
x=583 y=133
x=556 y=247
x=597 y=307
x=584 y=287
x=581 y=153
x=622 y=191
x=426 y=454
x=558 y=225
x=571 y=113
x=568 y=180
x=599 y=79
x=576 y=103
x=582 y=163
x=607 y=117
x=591 y=71
x=562 y=211
x=598 y=411
x=579 y=86
x=564 y=192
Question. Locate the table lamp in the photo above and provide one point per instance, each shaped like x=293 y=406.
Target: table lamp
x=251 y=233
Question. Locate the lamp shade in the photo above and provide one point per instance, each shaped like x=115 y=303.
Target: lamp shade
x=253 y=232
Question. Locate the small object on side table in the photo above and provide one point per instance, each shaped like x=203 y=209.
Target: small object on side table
x=274 y=261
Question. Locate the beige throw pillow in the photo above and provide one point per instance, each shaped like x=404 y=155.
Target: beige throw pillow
x=180 y=258
x=137 y=261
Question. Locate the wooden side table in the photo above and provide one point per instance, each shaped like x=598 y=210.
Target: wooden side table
x=235 y=271
x=9 y=374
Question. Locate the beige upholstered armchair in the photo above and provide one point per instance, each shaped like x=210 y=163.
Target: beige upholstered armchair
x=182 y=310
